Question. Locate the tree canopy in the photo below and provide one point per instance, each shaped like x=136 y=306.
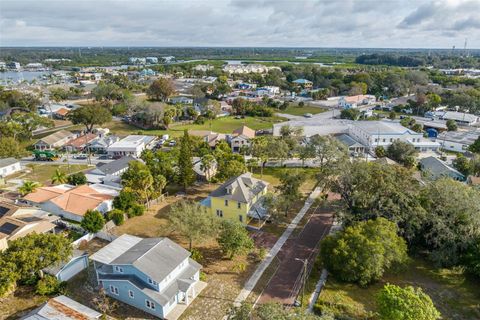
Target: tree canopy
x=234 y=238
x=89 y=116
x=93 y=221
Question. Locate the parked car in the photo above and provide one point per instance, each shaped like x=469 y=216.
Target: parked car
x=308 y=115
x=80 y=156
x=172 y=143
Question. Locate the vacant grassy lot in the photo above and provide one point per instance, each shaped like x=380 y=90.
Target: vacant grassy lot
x=43 y=172
x=20 y=302
x=221 y=125
x=300 y=111
x=455 y=295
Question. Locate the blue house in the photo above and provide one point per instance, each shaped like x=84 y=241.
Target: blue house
x=155 y=275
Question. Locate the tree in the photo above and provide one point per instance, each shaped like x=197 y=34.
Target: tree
x=89 y=116
x=161 y=89
x=289 y=188
x=77 y=179
x=28 y=187
x=139 y=181
x=462 y=164
x=29 y=122
x=331 y=154
x=364 y=251
x=371 y=190
x=234 y=239
x=186 y=174
x=401 y=151
x=168 y=116
x=34 y=252
x=59 y=177
x=451 y=125
x=407 y=303
x=351 y=114
x=192 y=221
x=118 y=216
x=48 y=285
x=9 y=148
x=392 y=115
x=207 y=164
x=93 y=221
x=8 y=276
x=475 y=147
x=124 y=200
x=471 y=258
x=380 y=152
x=453 y=220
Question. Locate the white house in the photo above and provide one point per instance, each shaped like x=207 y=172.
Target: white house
x=241 y=137
x=132 y=145
x=9 y=166
x=457 y=141
x=383 y=133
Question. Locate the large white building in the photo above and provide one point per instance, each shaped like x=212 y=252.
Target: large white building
x=383 y=133
x=457 y=141
x=132 y=145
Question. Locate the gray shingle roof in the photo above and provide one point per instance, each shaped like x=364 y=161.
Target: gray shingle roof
x=242 y=188
x=438 y=168
x=347 y=140
x=116 y=165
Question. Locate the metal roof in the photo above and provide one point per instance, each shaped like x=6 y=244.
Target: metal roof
x=63 y=308
x=7 y=162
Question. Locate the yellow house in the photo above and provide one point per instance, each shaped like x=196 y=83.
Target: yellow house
x=238 y=199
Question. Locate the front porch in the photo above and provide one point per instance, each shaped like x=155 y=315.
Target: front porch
x=190 y=294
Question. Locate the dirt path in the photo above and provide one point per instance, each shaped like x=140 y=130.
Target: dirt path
x=286 y=282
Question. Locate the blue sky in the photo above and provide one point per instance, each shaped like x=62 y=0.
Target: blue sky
x=286 y=23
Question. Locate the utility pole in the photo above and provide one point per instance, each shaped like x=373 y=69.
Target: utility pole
x=304 y=277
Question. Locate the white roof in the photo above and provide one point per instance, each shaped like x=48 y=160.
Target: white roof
x=115 y=249
x=382 y=127
x=460 y=116
x=131 y=142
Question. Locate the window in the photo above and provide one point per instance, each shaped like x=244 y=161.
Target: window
x=391 y=139
x=219 y=213
x=226 y=203
x=239 y=205
x=130 y=294
x=152 y=282
x=376 y=140
x=150 y=304
x=114 y=290
x=119 y=269
x=383 y=140
x=240 y=217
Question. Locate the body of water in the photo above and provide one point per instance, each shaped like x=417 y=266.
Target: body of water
x=13 y=76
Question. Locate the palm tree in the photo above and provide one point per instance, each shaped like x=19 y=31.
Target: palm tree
x=207 y=164
x=28 y=187
x=59 y=177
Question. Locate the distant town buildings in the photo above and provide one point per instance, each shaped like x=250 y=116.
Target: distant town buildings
x=247 y=68
x=353 y=102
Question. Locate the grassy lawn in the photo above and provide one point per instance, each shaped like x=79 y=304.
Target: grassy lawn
x=455 y=295
x=20 y=302
x=300 y=111
x=221 y=125
x=43 y=172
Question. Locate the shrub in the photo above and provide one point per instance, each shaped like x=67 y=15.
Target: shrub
x=93 y=221
x=136 y=210
x=117 y=216
x=77 y=179
x=48 y=285
x=196 y=255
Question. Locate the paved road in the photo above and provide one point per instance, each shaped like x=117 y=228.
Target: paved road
x=286 y=282
x=257 y=274
x=63 y=160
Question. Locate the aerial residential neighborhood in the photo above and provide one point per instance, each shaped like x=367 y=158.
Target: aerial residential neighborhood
x=229 y=160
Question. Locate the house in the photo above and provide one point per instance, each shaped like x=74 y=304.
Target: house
x=9 y=166
x=100 y=145
x=241 y=138
x=54 y=140
x=181 y=100
x=239 y=198
x=461 y=118
x=383 y=133
x=203 y=175
x=80 y=143
x=152 y=60
x=457 y=141
x=304 y=83
x=435 y=168
x=109 y=173
x=353 y=102
x=210 y=137
x=71 y=202
x=16 y=221
x=155 y=275
x=62 y=308
x=352 y=145
x=61 y=113
x=132 y=145
x=65 y=270
x=474 y=181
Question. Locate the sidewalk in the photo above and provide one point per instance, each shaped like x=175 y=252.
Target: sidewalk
x=252 y=281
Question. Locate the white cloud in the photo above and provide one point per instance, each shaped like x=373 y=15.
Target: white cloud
x=312 y=23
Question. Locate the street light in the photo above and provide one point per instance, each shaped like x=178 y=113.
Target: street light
x=304 y=279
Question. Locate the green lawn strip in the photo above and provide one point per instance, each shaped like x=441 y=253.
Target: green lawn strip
x=455 y=295
x=43 y=172
x=300 y=111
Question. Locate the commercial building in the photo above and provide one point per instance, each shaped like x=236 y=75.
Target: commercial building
x=132 y=145
x=462 y=118
x=457 y=141
x=155 y=275
x=352 y=102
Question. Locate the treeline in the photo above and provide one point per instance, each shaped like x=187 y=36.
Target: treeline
x=390 y=60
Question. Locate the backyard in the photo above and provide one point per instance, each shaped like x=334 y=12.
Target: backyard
x=43 y=172
x=455 y=295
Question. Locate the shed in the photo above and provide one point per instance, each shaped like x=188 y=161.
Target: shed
x=65 y=270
